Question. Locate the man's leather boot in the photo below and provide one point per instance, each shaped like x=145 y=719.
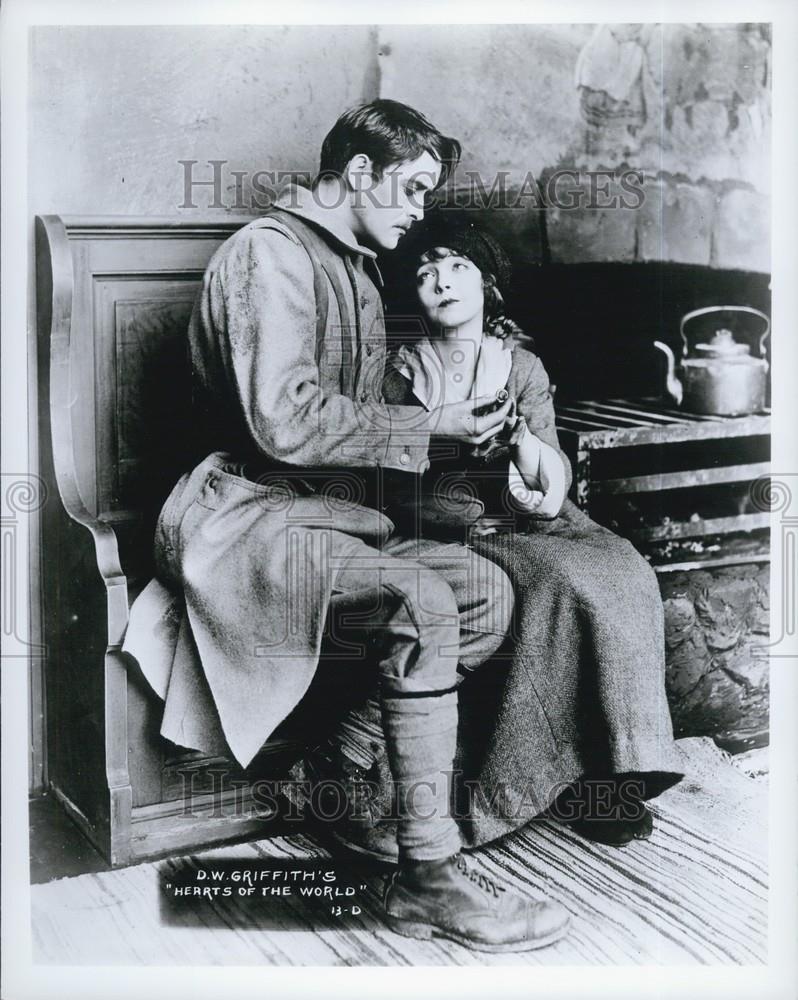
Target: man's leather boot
x=351 y=804
x=450 y=899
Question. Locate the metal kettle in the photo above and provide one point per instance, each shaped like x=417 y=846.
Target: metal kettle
x=719 y=375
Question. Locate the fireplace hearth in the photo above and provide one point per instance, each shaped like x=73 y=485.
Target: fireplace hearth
x=691 y=493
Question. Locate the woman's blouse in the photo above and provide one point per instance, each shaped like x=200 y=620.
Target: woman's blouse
x=416 y=375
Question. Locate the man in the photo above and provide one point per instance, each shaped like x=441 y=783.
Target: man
x=280 y=527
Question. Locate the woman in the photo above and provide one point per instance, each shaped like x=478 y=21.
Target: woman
x=580 y=720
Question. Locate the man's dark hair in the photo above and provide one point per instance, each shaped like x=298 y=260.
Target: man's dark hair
x=388 y=132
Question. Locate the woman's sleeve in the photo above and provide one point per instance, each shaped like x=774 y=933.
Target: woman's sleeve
x=536 y=405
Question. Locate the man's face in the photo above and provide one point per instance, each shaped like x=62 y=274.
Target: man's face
x=387 y=207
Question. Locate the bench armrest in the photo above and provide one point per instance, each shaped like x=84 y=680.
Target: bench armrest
x=55 y=288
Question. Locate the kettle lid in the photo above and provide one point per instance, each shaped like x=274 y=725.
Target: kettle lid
x=723 y=345
x=713 y=330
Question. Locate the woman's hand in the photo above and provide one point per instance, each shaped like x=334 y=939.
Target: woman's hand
x=542 y=487
x=515 y=428
x=552 y=479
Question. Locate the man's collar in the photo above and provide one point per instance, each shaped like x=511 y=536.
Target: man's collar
x=301 y=201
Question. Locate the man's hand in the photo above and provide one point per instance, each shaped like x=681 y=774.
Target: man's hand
x=472 y=421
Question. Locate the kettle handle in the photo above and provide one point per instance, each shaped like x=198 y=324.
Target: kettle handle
x=713 y=309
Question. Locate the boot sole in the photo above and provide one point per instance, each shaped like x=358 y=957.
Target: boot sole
x=426 y=932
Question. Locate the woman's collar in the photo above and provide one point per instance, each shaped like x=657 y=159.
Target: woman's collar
x=421 y=364
x=493 y=366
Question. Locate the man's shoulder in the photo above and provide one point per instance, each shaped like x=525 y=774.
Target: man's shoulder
x=266 y=239
x=281 y=234
x=268 y=230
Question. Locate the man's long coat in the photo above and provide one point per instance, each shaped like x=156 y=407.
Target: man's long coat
x=229 y=633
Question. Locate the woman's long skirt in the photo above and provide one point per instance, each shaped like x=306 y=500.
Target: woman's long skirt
x=579 y=690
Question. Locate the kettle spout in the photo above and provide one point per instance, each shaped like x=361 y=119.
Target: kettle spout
x=673 y=386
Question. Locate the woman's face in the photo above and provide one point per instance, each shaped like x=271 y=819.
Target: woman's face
x=450 y=289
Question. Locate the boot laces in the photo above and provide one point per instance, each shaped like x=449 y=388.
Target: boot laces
x=480 y=879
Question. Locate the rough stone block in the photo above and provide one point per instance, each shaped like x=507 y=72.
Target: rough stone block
x=588 y=231
x=741 y=237
x=518 y=229
x=674 y=223
x=715 y=625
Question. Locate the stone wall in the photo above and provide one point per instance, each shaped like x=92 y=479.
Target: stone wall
x=716 y=628
x=114 y=109
x=688 y=106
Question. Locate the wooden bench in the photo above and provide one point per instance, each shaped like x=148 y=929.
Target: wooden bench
x=114 y=299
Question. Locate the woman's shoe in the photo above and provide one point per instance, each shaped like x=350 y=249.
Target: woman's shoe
x=615 y=832
x=377 y=842
x=604 y=811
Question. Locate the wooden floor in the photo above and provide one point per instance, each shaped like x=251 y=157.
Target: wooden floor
x=696 y=893
x=58 y=849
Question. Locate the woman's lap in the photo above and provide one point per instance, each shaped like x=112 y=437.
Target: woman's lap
x=584 y=692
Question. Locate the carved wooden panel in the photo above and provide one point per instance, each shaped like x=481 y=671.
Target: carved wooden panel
x=144 y=390
x=153 y=388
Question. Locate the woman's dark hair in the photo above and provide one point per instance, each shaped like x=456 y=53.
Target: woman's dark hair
x=388 y=132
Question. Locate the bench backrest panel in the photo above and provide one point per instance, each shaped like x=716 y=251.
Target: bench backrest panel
x=120 y=384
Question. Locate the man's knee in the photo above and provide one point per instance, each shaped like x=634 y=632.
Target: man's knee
x=424 y=631
x=491 y=597
x=427 y=598
x=486 y=617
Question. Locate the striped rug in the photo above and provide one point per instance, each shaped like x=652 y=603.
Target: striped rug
x=695 y=893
